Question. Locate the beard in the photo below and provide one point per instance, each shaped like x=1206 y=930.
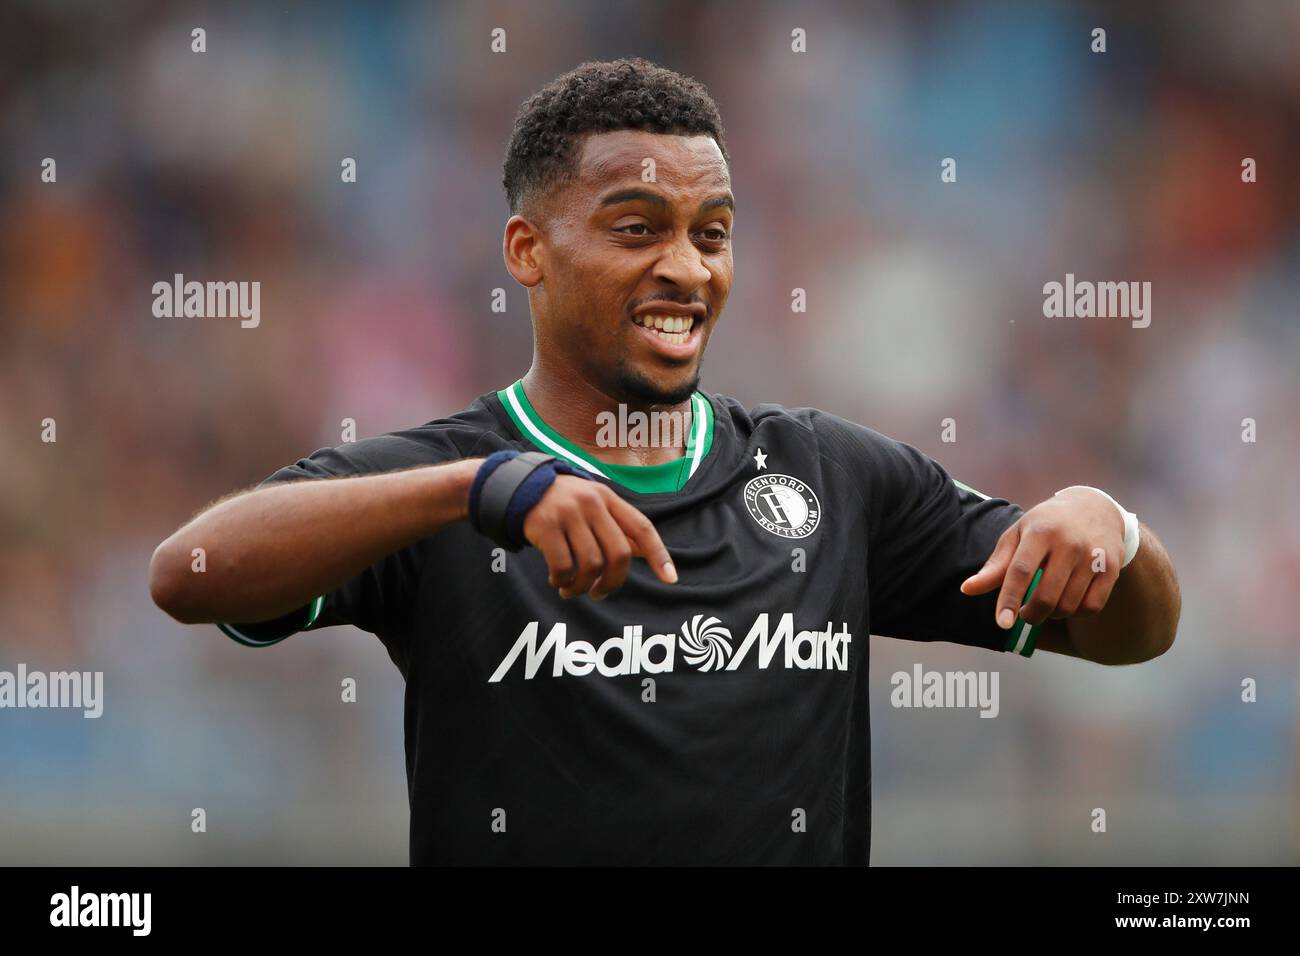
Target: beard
x=641 y=390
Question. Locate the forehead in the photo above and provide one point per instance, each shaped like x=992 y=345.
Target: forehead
x=680 y=162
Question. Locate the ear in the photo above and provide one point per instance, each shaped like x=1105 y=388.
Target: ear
x=522 y=249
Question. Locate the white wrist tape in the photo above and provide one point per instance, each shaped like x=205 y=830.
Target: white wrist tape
x=1131 y=536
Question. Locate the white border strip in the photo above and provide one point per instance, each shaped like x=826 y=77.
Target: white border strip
x=701 y=420
x=541 y=438
x=1025 y=628
x=961 y=484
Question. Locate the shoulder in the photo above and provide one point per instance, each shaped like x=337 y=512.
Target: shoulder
x=846 y=442
x=440 y=440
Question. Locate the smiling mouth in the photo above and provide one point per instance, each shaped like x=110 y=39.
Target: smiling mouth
x=673 y=329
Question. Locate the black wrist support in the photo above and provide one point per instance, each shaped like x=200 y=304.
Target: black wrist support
x=507 y=486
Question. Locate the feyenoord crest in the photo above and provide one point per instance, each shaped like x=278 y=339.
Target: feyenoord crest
x=783 y=505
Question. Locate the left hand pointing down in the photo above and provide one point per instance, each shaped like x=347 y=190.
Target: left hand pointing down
x=1080 y=534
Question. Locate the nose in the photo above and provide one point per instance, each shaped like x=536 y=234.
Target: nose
x=682 y=265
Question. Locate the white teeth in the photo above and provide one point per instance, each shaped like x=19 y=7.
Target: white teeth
x=670 y=328
x=667 y=323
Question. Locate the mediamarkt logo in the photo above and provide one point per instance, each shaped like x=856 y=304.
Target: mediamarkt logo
x=704 y=644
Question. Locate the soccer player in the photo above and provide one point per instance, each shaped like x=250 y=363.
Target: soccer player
x=619 y=650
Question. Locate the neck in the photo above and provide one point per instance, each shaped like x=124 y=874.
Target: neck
x=590 y=418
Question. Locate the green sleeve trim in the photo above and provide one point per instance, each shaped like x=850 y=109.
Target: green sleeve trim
x=1024 y=635
x=239 y=637
x=233 y=631
x=314 y=613
x=961 y=484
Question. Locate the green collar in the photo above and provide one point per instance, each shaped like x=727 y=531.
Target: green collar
x=644 y=479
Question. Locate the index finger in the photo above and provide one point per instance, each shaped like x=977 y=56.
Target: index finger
x=987 y=577
x=645 y=539
x=1027 y=559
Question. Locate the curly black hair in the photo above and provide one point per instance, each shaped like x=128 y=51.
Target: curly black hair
x=630 y=93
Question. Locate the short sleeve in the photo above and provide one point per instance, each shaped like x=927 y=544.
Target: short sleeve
x=378 y=599
x=928 y=532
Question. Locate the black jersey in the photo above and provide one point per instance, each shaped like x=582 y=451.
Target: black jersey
x=722 y=719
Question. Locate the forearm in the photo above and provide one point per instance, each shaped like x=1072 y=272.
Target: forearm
x=273 y=549
x=1140 y=618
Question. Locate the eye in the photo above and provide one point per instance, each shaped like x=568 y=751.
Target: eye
x=634 y=225
x=715 y=234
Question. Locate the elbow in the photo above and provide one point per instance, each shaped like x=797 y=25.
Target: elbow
x=1161 y=643
x=1162 y=636
x=1167 y=638
x=1172 y=607
x=169 y=580
x=1170 y=631
x=1160 y=623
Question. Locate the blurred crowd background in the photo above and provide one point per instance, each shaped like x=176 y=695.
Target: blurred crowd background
x=925 y=302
